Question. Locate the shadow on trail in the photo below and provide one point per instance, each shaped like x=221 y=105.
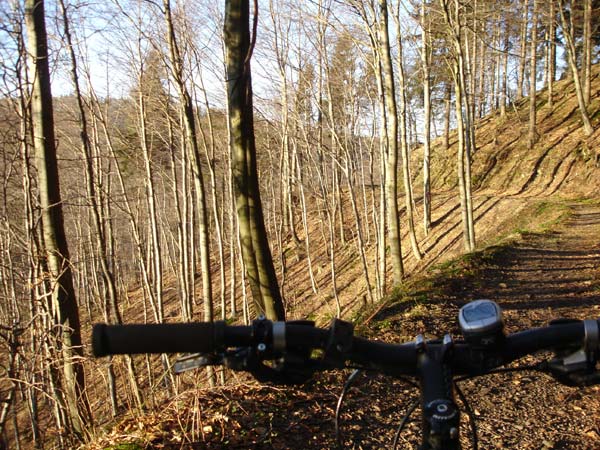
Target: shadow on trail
x=553 y=272
x=538 y=278
x=585 y=219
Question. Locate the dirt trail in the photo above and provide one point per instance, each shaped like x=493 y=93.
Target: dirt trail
x=545 y=277
x=539 y=278
x=549 y=275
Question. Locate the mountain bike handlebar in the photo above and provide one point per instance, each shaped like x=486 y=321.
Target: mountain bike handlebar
x=291 y=346
x=209 y=338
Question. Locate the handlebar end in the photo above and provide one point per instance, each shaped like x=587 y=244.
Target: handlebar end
x=99 y=345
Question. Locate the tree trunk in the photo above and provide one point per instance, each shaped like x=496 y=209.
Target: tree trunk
x=97 y=115
x=504 y=88
x=113 y=313
x=255 y=247
x=551 y=76
x=460 y=130
x=447 y=112
x=463 y=156
x=63 y=302
x=572 y=59
x=586 y=68
x=408 y=195
x=192 y=141
x=532 y=135
x=391 y=117
x=154 y=244
x=31 y=392
x=523 y=52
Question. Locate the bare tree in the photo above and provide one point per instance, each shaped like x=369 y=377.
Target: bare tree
x=532 y=135
x=568 y=33
x=551 y=53
x=255 y=247
x=425 y=63
x=391 y=117
x=453 y=21
x=404 y=144
x=586 y=69
x=63 y=302
x=192 y=141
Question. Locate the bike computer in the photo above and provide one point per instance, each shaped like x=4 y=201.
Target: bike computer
x=481 y=322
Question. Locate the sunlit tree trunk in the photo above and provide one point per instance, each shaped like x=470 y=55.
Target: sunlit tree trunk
x=504 y=75
x=425 y=62
x=209 y=151
x=255 y=246
x=551 y=76
x=391 y=117
x=447 y=112
x=532 y=135
x=192 y=145
x=154 y=243
x=463 y=156
x=572 y=59
x=63 y=302
x=404 y=144
x=586 y=69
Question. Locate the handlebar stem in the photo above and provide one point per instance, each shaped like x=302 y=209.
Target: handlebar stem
x=441 y=416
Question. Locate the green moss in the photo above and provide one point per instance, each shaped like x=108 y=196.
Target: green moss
x=125 y=446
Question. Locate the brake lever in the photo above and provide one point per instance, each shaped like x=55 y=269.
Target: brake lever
x=577 y=366
x=290 y=369
x=195 y=361
x=571 y=376
x=238 y=359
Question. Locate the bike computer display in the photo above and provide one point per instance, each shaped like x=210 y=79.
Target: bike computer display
x=481 y=322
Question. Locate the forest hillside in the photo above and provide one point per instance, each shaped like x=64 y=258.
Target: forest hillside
x=381 y=162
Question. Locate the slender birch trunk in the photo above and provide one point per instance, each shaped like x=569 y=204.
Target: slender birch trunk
x=192 y=145
x=425 y=62
x=391 y=117
x=532 y=135
x=408 y=194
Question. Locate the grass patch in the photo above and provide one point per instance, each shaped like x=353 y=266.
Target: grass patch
x=129 y=446
x=594 y=201
x=551 y=215
x=543 y=217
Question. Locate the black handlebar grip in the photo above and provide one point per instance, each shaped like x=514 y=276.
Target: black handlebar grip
x=157 y=338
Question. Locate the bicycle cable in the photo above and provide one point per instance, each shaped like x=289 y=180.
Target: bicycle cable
x=351 y=378
x=403 y=423
x=338 y=407
x=470 y=413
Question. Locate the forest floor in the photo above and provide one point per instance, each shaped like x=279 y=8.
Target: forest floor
x=535 y=277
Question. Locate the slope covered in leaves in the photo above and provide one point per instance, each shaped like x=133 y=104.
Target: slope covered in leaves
x=564 y=161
